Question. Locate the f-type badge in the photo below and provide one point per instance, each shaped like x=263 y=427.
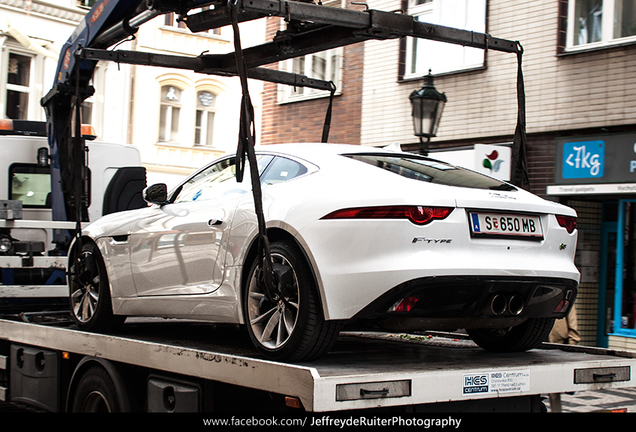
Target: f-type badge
x=431 y=240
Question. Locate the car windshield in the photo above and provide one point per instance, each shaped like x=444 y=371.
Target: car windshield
x=431 y=171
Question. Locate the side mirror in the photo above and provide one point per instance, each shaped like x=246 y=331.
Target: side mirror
x=156 y=194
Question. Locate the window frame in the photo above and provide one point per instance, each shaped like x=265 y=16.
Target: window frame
x=26 y=91
x=333 y=70
x=206 y=134
x=607 y=29
x=168 y=137
x=435 y=9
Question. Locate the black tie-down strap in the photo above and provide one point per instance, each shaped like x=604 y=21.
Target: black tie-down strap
x=519 y=163
x=327 y=124
x=246 y=153
x=271 y=276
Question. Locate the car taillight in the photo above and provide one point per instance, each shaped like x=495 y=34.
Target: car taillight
x=419 y=215
x=567 y=222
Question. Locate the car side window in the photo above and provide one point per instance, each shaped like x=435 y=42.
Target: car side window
x=282 y=169
x=216 y=181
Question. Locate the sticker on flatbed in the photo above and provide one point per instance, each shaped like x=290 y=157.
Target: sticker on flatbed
x=496 y=382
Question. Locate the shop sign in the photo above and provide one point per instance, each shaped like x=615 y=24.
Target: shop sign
x=492 y=160
x=602 y=159
x=584 y=159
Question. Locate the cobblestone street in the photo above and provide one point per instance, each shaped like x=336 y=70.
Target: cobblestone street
x=599 y=400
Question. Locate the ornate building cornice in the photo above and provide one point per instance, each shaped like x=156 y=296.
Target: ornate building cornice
x=45 y=10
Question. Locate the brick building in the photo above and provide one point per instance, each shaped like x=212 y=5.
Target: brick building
x=299 y=117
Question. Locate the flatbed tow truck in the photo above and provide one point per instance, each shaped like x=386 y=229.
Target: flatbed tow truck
x=157 y=365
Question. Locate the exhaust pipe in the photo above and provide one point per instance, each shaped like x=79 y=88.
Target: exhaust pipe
x=496 y=305
x=516 y=304
x=499 y=304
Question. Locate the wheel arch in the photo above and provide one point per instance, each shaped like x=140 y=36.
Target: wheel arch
x=275 y=234
x=75 y=244
x=116 y=374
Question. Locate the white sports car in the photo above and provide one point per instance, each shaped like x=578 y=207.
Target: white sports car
x=360 y=238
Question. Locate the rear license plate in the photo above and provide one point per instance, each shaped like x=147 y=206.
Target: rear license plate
x=507 y=225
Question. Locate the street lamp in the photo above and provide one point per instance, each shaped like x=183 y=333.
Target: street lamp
x=428 y=105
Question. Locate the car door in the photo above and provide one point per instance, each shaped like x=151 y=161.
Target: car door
x=177 y=249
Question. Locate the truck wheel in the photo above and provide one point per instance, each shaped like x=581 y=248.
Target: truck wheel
x=89 y=298
x=527 y=335
x=96 y=393
x=288 y=325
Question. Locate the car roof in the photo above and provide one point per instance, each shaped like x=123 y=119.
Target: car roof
x=314 y=152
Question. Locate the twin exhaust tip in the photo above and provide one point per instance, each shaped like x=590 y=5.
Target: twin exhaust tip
x=500 y=304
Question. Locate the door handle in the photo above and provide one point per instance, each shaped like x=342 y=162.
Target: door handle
x=215 y=222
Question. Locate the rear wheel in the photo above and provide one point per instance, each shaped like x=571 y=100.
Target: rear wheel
x=287 y=325
x=98 y=391
x=90 y=301
x=527 y=335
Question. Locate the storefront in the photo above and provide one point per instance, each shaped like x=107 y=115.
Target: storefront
x=597 y=176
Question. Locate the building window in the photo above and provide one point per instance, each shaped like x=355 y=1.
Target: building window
x=86 y=3
x=440 y=57
x=170 y=20
x=169 y=113
x=324 y=65
x=204 y=122
x=18 y=86
x=593 y=23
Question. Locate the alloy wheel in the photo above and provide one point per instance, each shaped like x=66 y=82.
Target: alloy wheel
x=85 y=288
x=273 y=317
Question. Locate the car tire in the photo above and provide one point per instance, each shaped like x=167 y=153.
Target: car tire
x=89 y=292
x=527 y=335
x=291 y=328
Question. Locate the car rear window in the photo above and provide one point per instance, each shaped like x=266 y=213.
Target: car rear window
x=431 y=171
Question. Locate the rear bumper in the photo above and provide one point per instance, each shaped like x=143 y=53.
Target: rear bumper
x=447 y=303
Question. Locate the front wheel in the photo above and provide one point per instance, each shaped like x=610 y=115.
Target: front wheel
x=90 y=301
x=527 y=335
x=288 y=324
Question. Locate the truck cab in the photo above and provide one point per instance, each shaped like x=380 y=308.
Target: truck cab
x=31 y=260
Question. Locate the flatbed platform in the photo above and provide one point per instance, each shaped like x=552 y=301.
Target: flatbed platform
x=363 y=370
